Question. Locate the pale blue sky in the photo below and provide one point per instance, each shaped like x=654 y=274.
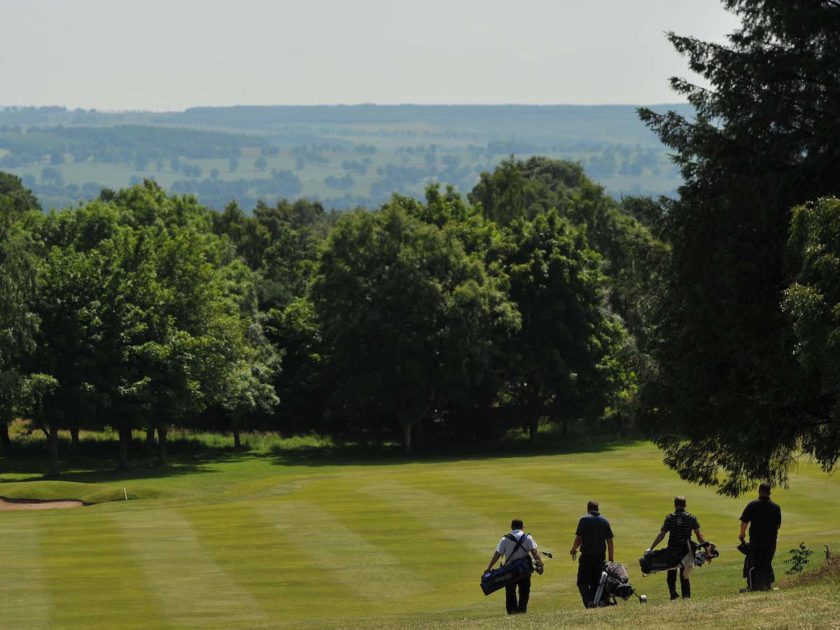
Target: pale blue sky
x=172 y=54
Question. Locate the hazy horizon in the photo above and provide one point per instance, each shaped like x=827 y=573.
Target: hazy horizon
x=112 y=55
x=315 y=105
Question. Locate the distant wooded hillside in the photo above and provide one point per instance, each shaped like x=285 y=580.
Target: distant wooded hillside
x=343 y=156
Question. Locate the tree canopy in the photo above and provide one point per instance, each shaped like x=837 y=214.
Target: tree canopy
x=559 y=362
x=728 y=401
x=813 y=304
x=406 y=316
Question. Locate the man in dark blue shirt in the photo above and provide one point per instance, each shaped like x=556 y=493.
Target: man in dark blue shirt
x=764 y=518
x=679 y=525
x=594 y=538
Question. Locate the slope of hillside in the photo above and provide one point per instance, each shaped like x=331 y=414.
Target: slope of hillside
x=267 y=540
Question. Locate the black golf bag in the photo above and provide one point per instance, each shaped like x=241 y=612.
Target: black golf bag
x=661 y=560
x=692 y=555
x=757 y=580
x=614 y=583
x=509 y=573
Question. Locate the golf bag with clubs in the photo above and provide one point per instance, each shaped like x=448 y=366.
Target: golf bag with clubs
x=757 y=580
x=691 y=556
x=614 y=583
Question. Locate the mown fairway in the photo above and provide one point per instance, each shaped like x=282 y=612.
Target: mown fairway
x=249 y=541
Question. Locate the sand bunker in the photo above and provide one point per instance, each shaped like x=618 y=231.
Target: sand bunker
x=33 y=504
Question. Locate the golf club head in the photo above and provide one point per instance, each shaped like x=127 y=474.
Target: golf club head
x=547 y=554
x=643 y=599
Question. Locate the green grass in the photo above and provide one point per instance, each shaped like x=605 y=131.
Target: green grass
x=282 y=537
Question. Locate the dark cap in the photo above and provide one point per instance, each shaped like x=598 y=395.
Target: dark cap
x=764 y=489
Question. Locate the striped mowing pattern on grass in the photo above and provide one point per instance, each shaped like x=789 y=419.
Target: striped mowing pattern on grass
x=92 y=578
x=26 y=602
x=248 y=543
x=344 y=555
x=435 y=508
x=278 y=570
x=193 y=589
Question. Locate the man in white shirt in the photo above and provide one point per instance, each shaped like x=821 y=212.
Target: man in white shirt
x=514 y=547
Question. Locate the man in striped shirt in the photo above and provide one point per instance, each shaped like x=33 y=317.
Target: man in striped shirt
x=679 y=525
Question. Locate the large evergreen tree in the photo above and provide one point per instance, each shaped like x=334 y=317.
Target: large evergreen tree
x=729 y=403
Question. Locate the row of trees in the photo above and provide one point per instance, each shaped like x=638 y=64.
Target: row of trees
x=134 y=145
x=127 y=312
x=141 y=310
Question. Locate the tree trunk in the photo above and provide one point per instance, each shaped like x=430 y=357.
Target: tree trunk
x=565 y=432
x=407 y=437
x=5 y=440
x=150 y=438
x=74 y=438
x=420 y=434
x=53 y=448
x=125 y=440
x=161 y=431
x=533 y=426
x=237 y=442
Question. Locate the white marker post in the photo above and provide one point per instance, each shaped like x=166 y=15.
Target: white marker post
x=125 y=494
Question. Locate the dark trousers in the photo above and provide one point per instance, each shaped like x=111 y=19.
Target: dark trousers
x=589 y=574
x=685 y=584
x=524 y=593
x=761 y=559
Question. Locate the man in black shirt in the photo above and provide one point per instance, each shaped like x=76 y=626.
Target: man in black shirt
x=594 y=537
x=679 y=525
x=764 y=518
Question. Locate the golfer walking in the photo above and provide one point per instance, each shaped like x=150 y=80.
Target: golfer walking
x=515 y=546
x=679 y=525
x=594 y=538
x=764 y=519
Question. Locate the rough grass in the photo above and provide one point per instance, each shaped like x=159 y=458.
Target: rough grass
x=809 y=606
x=826 y=573
x=308 y=534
